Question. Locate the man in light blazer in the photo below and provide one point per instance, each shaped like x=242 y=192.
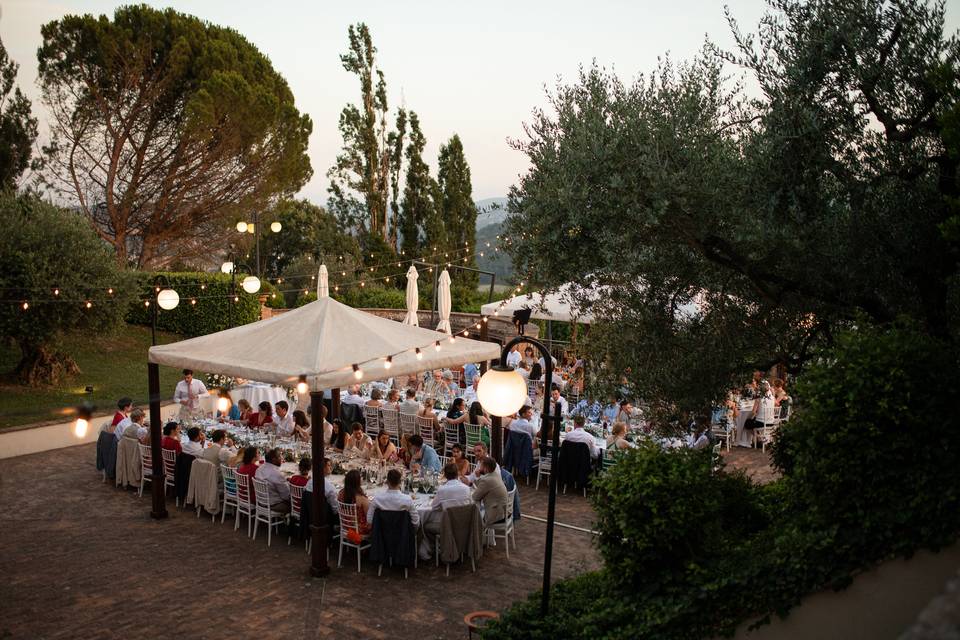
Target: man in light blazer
x=489 y=490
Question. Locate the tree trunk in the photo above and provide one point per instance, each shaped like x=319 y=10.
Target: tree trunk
x=41 y=365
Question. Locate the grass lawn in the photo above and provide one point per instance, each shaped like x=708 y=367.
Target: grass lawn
x=115 y=365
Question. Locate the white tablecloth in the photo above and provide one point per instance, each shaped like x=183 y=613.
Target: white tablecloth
x=255 y=393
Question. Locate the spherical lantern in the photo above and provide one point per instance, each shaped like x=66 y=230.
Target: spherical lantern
x=242 y=227
x=168 y=299
x=251 y=284
x=502 y=391
x=226 y=267
x=275 y=227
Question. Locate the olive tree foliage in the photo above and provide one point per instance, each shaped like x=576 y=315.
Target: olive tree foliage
x=51 y=266
x=164 y=128
x=779 y=216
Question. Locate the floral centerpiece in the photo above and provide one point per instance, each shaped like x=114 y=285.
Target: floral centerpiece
x=221 y=381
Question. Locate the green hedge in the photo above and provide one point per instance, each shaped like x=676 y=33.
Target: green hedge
x=210 y=314
x=871 y=471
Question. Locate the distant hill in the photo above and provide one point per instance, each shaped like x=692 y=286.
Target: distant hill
x=491 y=212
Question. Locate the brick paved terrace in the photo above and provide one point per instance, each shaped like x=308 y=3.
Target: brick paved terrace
x=82 y=559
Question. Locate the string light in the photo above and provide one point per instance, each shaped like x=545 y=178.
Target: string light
x=452 y=339
x=436 y=346
x=89 y=304
x=357 y=372
x=110 y=291
x=26 y=305
x=302 y=385
x=146 y=303
x=388 y=362
x=419 y=354
x=193 y=301
x=56 y=291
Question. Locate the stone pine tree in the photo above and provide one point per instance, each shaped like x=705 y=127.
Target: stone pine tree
x=418 y=205
x=459 y=211
x=18 y=129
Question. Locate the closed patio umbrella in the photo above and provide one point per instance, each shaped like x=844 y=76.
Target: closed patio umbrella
x=413 y=297
x=323 y=283
x=445 y=303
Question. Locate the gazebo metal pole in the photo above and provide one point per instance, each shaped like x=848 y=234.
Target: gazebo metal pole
x=496 y=438
x=319 y=528
x=157 y=486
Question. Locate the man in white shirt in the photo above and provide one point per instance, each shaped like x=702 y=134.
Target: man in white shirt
x=700 y=439
x=410 y=405
x=514 y=357
x=393 y=499
x=352 y=396
x=329 y=491
x=188 y=393
x=523 y=424
x=625 y=412
x=269 y=472
x=122 y=426
x=558 y=402
x=284 y=419
x=450 y=493
x=435 y=387
x=580 y=435
x=194 y=445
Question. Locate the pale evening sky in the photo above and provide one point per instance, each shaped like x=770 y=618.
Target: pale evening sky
x=476 y=69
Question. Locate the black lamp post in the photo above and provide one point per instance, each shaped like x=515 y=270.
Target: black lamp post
x=501 y=392
x=254 y=228
x=250 y=284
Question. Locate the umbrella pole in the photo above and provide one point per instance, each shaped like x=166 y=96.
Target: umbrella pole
x=319 y=528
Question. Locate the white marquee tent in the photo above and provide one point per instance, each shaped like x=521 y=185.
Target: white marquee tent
x=321 y=340
x=557 y=305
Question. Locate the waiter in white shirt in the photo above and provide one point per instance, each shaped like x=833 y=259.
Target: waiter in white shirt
x=394 y=500
x=188 y=394
x=580 y=435
x=450 y=493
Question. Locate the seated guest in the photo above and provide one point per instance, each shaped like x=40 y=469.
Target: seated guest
x=393 y=400
x=352 y=493
x=137 y=429
x=580 y=435
x=171 y=437
x=459 y=461
x=610 y=411
x=284 y=419
x=557 y=400
x=352 y=396
x=422 y=456
x=450 y=388
x=410 y=405
x=300 y=479
x=194 y=446
x=617 y=438
x=262 y=417
x=523 y=424
x=536 y=372
x=477 y=416
x=470 y=395
x=590 y=410
x=480 y=452
x=269 y=472
x=376 y=398
x=393 y=499
x=545 y=439
x=124 y=407
x=625 y=412
x=221 y=448
x=451 y=493
x=248 y=465
x=337 y=437
x=489 y=491
x=383 y=449
x=358 y=442
x=301 y=427
x=426 y=411
x=524 y=370
x=435 y=387
x=329 y=491
x=456 y=413
x=700 y=439
x=232 y=411
x=246 y=411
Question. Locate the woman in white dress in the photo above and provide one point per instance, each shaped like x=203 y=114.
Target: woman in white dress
x=762 y=411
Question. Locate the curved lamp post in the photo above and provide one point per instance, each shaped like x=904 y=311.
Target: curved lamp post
x=254 y=228
x=502 y=392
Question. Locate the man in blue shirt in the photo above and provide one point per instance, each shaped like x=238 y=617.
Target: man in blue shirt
x=589 y=410
x=423 y=454
x=611 y=411
x=470 y=371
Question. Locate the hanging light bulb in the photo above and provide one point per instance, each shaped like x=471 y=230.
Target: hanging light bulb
x=419 y=354
x=193 y=301
x=436 y=345
x=26 y=305
x=88 y=304
x=110 y=291
x=146 y=303
x=302 y=385
x=84 y=414
x=357 y=373
x=452 y=339
x=388 y=362
x=56 y=291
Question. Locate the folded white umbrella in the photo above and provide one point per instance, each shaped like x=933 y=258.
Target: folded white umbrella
x=413 y=297
x=445 y=303
x=323 y=283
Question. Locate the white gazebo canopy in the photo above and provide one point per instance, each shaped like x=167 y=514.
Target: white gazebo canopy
x=557 y=305
x=321 y=340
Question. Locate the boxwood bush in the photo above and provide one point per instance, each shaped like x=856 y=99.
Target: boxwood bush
x=871 y=471
x=210 y=314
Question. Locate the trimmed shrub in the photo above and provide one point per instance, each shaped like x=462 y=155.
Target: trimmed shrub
x=210 y=314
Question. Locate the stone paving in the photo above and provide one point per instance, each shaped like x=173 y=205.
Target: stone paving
x=82 y=559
